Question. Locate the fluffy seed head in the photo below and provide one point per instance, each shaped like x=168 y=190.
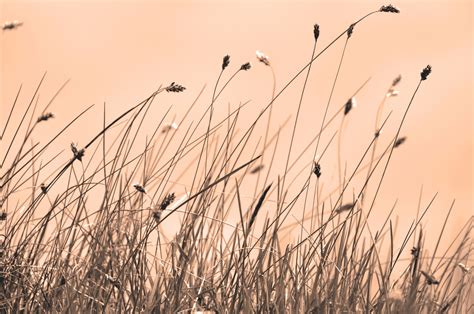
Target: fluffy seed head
x=262 y=58
x=464 y=268
x=168 y=127
x=392 y=93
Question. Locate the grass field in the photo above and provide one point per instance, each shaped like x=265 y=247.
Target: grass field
x=106 y=226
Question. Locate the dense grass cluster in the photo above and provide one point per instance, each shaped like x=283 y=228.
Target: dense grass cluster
x=107 y=231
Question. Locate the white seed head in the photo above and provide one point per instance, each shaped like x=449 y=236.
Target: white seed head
x=392 y=93
x=262 y=58
x=464 y=268
x=169 y=126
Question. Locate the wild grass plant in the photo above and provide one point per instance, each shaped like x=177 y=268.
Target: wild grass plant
x=90 y=232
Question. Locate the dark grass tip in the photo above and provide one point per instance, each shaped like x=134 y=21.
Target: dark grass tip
x=167 y=201
x=225 y=62
x=139 y=188
x=317 y=169
x=11 y=25
x=346 y=207
x=430 y=279
x=426 y=71
x=257 y=169
x=399 y=141
x=350 y=30
x=396 y=80
x=3 y=215
x=175 y=88
x=45 y=117
x=316 y=32
x=246 y=66
x=157 y=215
x=43 y=188
x=389 y=8
x=351 y=103
x=78 y=154
x=448 y=304
x=259 y=205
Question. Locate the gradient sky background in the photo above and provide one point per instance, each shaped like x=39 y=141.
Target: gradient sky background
x=120 y=51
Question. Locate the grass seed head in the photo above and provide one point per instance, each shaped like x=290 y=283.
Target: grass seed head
x=3 y=215
x=225 y=62
x=346 y=207
x=157 y=214
x=175 y=88
x=389 y=8
x=350 y=30
x=167 y=201
x=426 y=71
x=392 y=93
x=78 y=154
x=257 y=169
x=43 y=188
x=317 y=169
x=316 y=32
x=351 y=103
x=262 y=58
x=448 y=304
x=11 y=25
x=400 y=141
x=464 y=268
x=246 y=66
x=168 y=127
x=430 y=280
x=259 y=205
x=396 y=80
x=45 y=117
x=139 y=188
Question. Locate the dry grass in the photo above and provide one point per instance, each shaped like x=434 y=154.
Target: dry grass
x=105 y=232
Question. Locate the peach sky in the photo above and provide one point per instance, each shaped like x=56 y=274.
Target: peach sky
x=120 y=51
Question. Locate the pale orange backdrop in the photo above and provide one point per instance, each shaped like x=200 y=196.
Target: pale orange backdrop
x=120 y=51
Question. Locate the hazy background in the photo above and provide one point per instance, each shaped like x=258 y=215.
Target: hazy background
x=120 y=51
